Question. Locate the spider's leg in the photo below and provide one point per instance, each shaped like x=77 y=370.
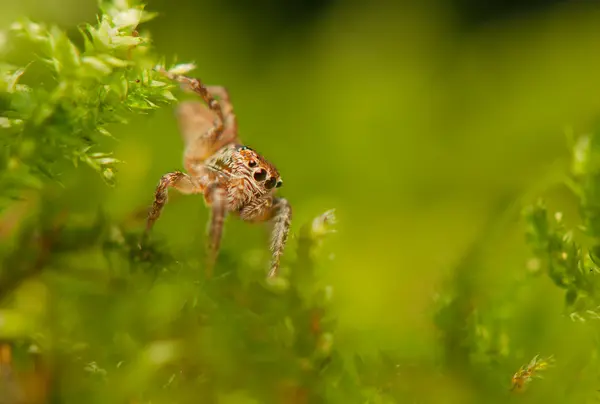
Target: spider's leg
x=196 y=127
x=196 y=86
x=216 y=197
x=205 y=130
x=178 y=180
x=279 y=212
x=226 y=107
x=281 y=218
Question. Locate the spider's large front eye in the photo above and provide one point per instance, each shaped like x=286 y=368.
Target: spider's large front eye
x=270 y=183
x=252 y=163
x=260 y=175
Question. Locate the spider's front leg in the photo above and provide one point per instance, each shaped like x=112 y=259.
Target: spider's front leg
x=227 y=108
x=281 y=218
x=216 y=198
x=198 y=87
x=204 y=130
x=279 y=212
x=178 y=180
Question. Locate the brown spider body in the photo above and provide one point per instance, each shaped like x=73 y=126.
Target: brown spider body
x=232 y=177
x=249 y=179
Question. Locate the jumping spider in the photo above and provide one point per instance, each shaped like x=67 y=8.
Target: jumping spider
x=232 y=177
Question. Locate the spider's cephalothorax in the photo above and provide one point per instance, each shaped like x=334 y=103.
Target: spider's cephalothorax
x=233 y=178
x=250 y=180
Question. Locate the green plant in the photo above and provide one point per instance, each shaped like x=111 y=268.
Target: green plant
x=570 y=255
x=95 y=316
x=58 y=106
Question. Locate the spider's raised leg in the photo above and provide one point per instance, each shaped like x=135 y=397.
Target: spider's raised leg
x=216 y=199
x=196 y=86
x=227 y=108
x=195 y=124
x=281 y=218
x=204 y=130
x=178 y=180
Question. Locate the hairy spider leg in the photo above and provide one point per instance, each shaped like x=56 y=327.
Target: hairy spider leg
x=178 y=180
x=204 y=130
x=200 y=144
x=281 y=219
x=199 y=88
x=226 y=106
x=279 y=212
x=216 y=198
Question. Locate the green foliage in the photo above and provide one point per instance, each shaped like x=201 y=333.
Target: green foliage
x=171 y=332
x=75 y=94
x=571 y=255
x=92 y=315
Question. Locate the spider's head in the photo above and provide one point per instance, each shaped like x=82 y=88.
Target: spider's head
x=260 y=172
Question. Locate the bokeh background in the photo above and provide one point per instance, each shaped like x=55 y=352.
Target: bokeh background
x=427 y=125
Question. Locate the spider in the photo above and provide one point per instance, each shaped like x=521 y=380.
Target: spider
x=233 y=178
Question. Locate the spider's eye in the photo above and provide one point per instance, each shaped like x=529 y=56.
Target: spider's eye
x=270 y=183
x=252 y=163
x=279 y=184
x=260 y=175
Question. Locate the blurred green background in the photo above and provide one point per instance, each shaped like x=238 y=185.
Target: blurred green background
x=426 y=125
